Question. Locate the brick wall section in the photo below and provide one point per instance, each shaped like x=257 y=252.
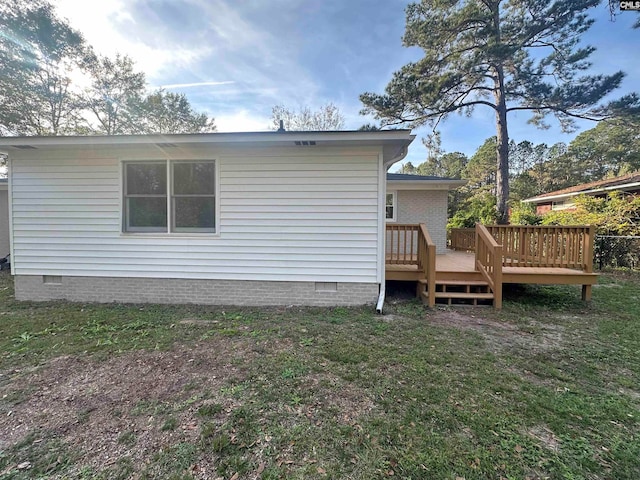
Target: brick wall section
x=181 y=291
x=425 y=206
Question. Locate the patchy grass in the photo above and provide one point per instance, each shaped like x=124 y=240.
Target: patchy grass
x=547 y=388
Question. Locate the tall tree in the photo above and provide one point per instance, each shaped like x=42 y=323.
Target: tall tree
x=167 y=112
x=39 y=54
x=116 y=91
x=327 y=117
x=505 y=55
x=611 y=148
x=449 y=165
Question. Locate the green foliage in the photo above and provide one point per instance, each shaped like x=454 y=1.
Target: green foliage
x=616 y=214
x=38 y=53
x=116 y=88
x=41 y=58
x=612 y=148
x=524 y=214
x=167 y=112
x=448 y=165
x=478 y=209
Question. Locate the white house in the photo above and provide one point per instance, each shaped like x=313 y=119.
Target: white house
x=224 y=218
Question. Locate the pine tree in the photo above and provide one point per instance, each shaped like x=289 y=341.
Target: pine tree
x=505 y=55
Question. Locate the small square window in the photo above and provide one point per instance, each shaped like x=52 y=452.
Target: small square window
x=390 y=207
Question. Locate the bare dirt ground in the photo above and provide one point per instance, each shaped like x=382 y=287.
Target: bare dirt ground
x=501 y=335
x=91 y=403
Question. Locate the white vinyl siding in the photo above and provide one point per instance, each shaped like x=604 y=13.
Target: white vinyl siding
x=283 y=215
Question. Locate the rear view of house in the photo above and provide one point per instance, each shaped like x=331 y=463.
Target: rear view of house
x=229 y=218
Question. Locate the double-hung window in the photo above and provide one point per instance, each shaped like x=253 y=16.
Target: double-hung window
x=170 y=196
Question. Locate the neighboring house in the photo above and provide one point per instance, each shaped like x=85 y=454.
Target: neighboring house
x=565 y=199
x=421 y=199
x=226 y=218
x=4 y=219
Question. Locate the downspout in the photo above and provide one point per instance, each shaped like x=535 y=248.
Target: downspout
x=385 y=169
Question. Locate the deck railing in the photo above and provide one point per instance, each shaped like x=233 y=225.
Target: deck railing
x=411 y=244
x=402 y=243
x=427 y=262
x=538 y=246
x=545 y=246
x=462 y=239
x=489 y=262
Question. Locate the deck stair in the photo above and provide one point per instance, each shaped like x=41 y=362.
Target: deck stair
x=458 y=292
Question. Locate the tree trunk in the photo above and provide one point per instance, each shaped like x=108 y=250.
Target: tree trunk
x=502 y=154
x=502 y=144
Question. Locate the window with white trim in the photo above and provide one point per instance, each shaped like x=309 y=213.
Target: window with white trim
x=390 y=207
x=170 y=196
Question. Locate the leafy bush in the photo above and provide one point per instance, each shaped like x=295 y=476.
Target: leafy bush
x=480 y=209
x=616 y=214
x=524 y=214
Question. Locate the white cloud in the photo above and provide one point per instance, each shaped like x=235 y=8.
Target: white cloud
x=241 y=121
x=197 y=84
x=98 y=20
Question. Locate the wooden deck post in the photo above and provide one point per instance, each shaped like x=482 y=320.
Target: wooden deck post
x=589 y=240
x=497 y=278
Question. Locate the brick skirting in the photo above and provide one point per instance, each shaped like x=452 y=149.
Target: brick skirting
x=180 y=291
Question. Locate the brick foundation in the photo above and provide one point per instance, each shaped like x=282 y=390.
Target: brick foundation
x=181 y=291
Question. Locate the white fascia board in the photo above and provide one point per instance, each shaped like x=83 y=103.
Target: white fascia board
x=425 y=184
x=259 y=138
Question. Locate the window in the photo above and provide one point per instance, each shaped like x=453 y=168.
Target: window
x=181 y=195
x=390 y=207
x=193 y=200
x=562 y=205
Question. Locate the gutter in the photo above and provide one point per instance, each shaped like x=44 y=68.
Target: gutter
x=387 y=165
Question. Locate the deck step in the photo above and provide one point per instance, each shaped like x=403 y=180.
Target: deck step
x=471 y=283
x=471 y=296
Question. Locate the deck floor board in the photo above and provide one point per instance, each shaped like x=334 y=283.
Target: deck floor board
x=463 y=262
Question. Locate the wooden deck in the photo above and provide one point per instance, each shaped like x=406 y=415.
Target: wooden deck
x=533 y=255
x=456 y=265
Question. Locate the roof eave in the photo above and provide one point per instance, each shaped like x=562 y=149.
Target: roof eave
x=592 y=191
x=393 y=142
x=425 y=184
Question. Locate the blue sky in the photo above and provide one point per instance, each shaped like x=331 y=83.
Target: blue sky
x=236 y=59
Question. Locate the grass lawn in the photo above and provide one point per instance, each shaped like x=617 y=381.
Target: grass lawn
x=547 y=388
